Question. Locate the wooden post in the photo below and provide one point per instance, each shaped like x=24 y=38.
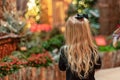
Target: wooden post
x=118 y=5
x=109 y=16
x=1 y=9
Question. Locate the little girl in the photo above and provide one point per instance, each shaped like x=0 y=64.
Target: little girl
x=79 y=56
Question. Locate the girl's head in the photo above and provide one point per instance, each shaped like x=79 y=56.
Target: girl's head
x=77 y=31
x=80 y=45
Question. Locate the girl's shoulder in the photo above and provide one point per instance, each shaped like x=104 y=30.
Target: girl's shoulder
x=64 y=48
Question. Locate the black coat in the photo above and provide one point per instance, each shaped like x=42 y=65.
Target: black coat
x=63 y=66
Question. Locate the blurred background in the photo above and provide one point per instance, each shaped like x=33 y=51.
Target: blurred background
x=31 y=34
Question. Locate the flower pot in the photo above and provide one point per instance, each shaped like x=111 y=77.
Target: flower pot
x=8 y=44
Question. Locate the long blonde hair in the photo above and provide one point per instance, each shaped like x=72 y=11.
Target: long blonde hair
x=80 y=46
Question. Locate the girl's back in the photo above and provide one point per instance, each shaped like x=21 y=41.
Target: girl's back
x=80 y=57
x=71 y=75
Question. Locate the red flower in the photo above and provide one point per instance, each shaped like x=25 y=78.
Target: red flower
x=40 y=27
x=33 y=28
x=100 y=41
x=40 y=58
x=3 y=63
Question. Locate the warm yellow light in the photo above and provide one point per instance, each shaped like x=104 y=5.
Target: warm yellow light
x=31 y=4
x=63 y=29
x=79 y=11
x=74 y=2
x=81 y=3
x=85 y=5
x=33 y=10
x=37 y=17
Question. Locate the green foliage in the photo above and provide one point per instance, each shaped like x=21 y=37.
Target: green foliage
x=6 y=59
x=33 y=64
x=32 y=47
x=6 y=66
x=82 y=4
x=54 y=32
x=11 y=23
x=94 y=19
x=71 y=11
x=107 y=48
x=19 y=59
x=55 y=42
x=32 y=50
x=87 y=7
x=6 y=71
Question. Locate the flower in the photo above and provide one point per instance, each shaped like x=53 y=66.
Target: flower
x=35 y=60
x=39 y=59
x=100 y=40
x=40 y=27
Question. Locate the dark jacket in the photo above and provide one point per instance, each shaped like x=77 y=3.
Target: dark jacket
x=63 y=66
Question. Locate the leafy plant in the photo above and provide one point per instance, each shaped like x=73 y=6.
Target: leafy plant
x=55 y=42
x=17 y=60
x=87 y=7
x=11 y=23
x=107 y=48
